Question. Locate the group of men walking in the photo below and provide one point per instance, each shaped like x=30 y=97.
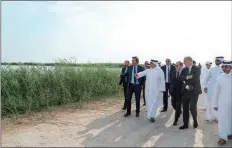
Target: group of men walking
x=216 y=83
x=184 y=82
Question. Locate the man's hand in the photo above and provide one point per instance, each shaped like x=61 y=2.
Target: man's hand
x=215 y=108
x=189 y=77
x=137 y=76
x=205 y=90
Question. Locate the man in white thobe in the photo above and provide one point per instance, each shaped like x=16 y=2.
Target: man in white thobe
x=209 y=84
x=222 y=102
x=154 y=88
x=203 y=97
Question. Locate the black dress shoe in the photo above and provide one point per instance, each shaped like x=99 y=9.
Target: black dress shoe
x=137 y=115
x=164 y=110
x=127 y=114
x=152 y=120
x=183 y=127
x=124 y=108
x=175 y=124
x=195 y=125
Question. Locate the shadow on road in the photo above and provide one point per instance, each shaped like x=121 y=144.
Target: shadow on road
x=116 y=130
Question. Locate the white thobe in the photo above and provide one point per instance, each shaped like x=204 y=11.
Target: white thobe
x=202 y=101
x=222 y=99
x=210 y=81
x=154 y=86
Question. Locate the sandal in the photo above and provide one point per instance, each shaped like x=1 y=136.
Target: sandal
x=222 y=142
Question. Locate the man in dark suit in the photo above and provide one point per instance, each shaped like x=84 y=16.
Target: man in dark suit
x=175 y=89
x=146 y=66
x=194 y=63
x=191 y=89
x=123 y=80
x=167 y=69
x=134 y=85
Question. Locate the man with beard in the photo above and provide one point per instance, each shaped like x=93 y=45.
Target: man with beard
x=209 y=84
x=203 y=97
x=222 y=102
x=155 y=85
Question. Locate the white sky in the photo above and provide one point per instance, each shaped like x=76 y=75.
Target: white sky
x=116 y=31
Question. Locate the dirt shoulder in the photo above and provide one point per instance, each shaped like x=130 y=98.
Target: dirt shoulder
x=101 y=123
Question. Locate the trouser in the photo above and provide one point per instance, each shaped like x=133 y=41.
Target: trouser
x=136 y=89
x=165 y=96
x=176 y=104
x=125 y=95
x=189 y=100
x=144 y=94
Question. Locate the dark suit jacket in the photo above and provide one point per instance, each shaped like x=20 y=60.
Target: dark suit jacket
x=123 y=78
x=172 y=68
x=194 y=82
x=176 y=84
x=129 y=74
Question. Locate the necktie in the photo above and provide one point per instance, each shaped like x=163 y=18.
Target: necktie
x=134 y=75
x=189 y=71
x=168 y=74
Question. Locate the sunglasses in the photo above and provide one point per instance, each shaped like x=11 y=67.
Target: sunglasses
x=225 y=66
x=167 y=61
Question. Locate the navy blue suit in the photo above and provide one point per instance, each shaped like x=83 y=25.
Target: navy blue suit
x=175 y=89
x=123 y=80
x=134 y=88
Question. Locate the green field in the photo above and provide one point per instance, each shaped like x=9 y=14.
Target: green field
x=109 y=65
x=28 y=88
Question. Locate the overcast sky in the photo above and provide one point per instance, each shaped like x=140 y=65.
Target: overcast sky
x=115 y=31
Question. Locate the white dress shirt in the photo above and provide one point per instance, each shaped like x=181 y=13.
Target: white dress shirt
x=168 y=67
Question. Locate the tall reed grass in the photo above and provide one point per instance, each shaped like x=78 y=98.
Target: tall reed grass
x=29 y=88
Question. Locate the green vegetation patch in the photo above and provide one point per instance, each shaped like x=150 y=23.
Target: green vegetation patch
x=28 y=88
